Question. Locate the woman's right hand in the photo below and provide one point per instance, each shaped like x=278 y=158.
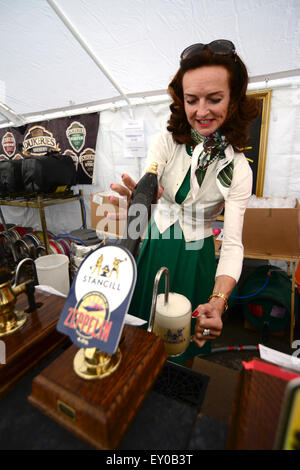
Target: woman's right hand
x=125 y=190
x=122 y=201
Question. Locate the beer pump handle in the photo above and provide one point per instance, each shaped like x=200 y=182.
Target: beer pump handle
x=154 y=295
x=143 y=196
x=32 y=304
x=30 y=284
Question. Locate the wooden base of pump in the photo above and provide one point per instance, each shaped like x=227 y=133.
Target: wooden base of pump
x=100 y=411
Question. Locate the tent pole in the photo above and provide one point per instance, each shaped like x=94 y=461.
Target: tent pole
x=16 y=120
x=86 y=47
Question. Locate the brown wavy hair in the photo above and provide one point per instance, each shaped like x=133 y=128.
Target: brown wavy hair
x=242 y=110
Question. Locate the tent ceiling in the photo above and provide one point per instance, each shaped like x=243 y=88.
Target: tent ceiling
x=129 y=46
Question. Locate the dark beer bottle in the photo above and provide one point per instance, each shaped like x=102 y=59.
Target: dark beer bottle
x=139 y=210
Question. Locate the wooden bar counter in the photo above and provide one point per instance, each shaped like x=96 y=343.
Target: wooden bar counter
x=32 y=343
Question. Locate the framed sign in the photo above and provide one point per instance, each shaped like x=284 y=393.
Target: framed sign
x=256 y=151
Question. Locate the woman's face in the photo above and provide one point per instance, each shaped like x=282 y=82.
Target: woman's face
x=206 y=94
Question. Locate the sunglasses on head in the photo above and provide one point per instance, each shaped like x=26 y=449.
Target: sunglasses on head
x=219 y=47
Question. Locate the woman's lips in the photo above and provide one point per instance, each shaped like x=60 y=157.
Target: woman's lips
x=205 y=123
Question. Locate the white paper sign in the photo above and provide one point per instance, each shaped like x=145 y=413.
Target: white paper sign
x=279 y=358
x=134 y=139
x=49 y=290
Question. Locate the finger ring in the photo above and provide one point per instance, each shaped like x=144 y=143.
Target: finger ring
x=206 y=332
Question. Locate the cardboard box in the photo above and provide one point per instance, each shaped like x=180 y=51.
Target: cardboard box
x=100 y=207
x=272 y=233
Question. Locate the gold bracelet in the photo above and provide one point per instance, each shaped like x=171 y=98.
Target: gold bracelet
x=222 y=296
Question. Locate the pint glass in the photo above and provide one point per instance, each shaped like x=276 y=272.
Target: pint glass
x=173 y=322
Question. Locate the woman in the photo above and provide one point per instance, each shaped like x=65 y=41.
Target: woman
x=201 y=171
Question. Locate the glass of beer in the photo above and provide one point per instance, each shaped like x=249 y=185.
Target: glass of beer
x=172 y=322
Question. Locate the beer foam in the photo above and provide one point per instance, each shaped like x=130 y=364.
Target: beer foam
x=176 y=307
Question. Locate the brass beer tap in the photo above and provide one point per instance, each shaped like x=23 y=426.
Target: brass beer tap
x=12 y=320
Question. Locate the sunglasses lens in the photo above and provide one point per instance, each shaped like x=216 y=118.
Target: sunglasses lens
x=194 y=49
x=222 y=46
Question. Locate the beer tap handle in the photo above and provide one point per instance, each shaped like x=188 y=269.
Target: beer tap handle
x=30 y=285
x=154 y=295
x=32 y=305
x=20 y=267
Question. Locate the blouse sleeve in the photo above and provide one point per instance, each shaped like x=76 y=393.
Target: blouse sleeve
x=160 y=151
x=232 y=251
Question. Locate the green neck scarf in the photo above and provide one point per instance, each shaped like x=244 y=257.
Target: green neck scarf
x=213 y=148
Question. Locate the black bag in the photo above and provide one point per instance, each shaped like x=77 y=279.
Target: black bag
x=45 y=174
x=11 y=180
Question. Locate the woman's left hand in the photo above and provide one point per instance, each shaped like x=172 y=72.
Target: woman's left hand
x=208 y=321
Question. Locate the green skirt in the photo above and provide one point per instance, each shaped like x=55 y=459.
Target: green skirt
x=192 y=269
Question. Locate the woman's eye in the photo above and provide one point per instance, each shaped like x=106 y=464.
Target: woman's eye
x=215 y=101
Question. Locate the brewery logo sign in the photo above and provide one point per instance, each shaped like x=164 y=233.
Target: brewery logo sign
x=9 y=144
x=94 y=312
x=86 y=160
x=38 y=141
x=76 y=134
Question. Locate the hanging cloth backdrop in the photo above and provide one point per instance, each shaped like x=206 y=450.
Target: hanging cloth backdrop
x=74 y=135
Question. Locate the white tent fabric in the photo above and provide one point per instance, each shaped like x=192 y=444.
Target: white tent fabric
x=137 y=42
x=66 y=57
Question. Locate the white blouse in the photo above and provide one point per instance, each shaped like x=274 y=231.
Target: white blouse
x=202 y=205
